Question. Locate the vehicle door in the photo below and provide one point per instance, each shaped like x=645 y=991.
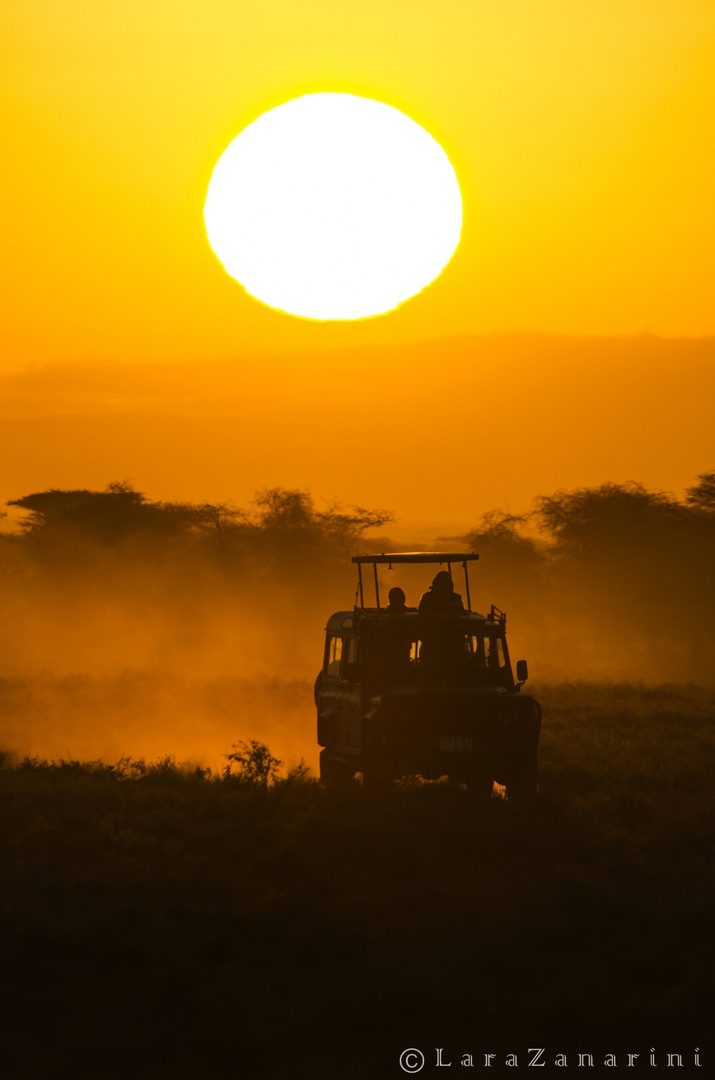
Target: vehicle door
x=340 y=697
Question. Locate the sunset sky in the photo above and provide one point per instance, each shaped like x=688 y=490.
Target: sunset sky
x=582 y=138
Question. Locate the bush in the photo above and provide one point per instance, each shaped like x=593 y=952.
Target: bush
x=253 y=762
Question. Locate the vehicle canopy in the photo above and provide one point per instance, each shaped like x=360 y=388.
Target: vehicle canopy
x=395 y=558
x=379 y=649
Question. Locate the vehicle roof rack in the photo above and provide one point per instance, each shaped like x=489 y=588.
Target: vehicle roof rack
x=394 y=557
x=417 y=557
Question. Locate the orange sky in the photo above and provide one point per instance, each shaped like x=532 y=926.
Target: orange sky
x=438 y=432
x=582 y=135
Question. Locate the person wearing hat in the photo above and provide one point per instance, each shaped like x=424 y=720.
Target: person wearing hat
x=441 y=599
x=442 y=636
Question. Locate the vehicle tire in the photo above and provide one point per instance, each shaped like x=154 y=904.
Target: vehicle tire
x=377 y=777
x=481 y=787
x=522 y=780
x=334 y=774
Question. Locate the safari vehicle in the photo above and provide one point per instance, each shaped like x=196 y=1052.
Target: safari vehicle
x=428 y=695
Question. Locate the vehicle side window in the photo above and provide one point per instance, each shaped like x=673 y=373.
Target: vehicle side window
x=350 y=652
x=488 y=652
x=335 y=653
x=494 y=651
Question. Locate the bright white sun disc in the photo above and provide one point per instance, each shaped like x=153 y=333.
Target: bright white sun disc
x=334 y=206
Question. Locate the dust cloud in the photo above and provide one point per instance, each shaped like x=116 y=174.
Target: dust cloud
x=139 y=628
x=144 y=629
x=148 y=714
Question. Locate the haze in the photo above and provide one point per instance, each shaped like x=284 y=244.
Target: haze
x=569 y=344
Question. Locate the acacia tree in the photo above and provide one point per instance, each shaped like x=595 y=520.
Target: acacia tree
x=108 y=516
x=596 y=522
x=513 y=566
x=634 y=565
x=702 y=495
x=288 y=539
x=282 y=532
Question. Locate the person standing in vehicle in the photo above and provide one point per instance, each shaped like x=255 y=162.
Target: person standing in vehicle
x=441 y=599
x=442 y=638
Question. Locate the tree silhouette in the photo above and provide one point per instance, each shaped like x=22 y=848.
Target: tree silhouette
x=281 y=523
x=702 y=495
x=620 y=575
x=104 y=516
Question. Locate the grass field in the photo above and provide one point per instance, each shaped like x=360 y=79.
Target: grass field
x=162 y=922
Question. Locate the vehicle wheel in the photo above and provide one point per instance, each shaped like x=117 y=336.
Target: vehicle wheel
x=334 y=774
x=522 y=781
x=481 y=787
x=378 y=778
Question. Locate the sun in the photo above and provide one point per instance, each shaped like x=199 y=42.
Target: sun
x=334 y=206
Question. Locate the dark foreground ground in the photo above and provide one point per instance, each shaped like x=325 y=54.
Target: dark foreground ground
x=158 y=923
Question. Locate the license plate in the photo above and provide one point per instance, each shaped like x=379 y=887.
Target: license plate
x=456 y=744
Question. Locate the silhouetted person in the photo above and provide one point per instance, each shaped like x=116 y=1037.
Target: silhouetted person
x=395 y=642
x=441 y=599
x=396 y=602
x=442 y=639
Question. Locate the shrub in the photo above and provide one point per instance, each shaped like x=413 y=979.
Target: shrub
x=253 y=763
